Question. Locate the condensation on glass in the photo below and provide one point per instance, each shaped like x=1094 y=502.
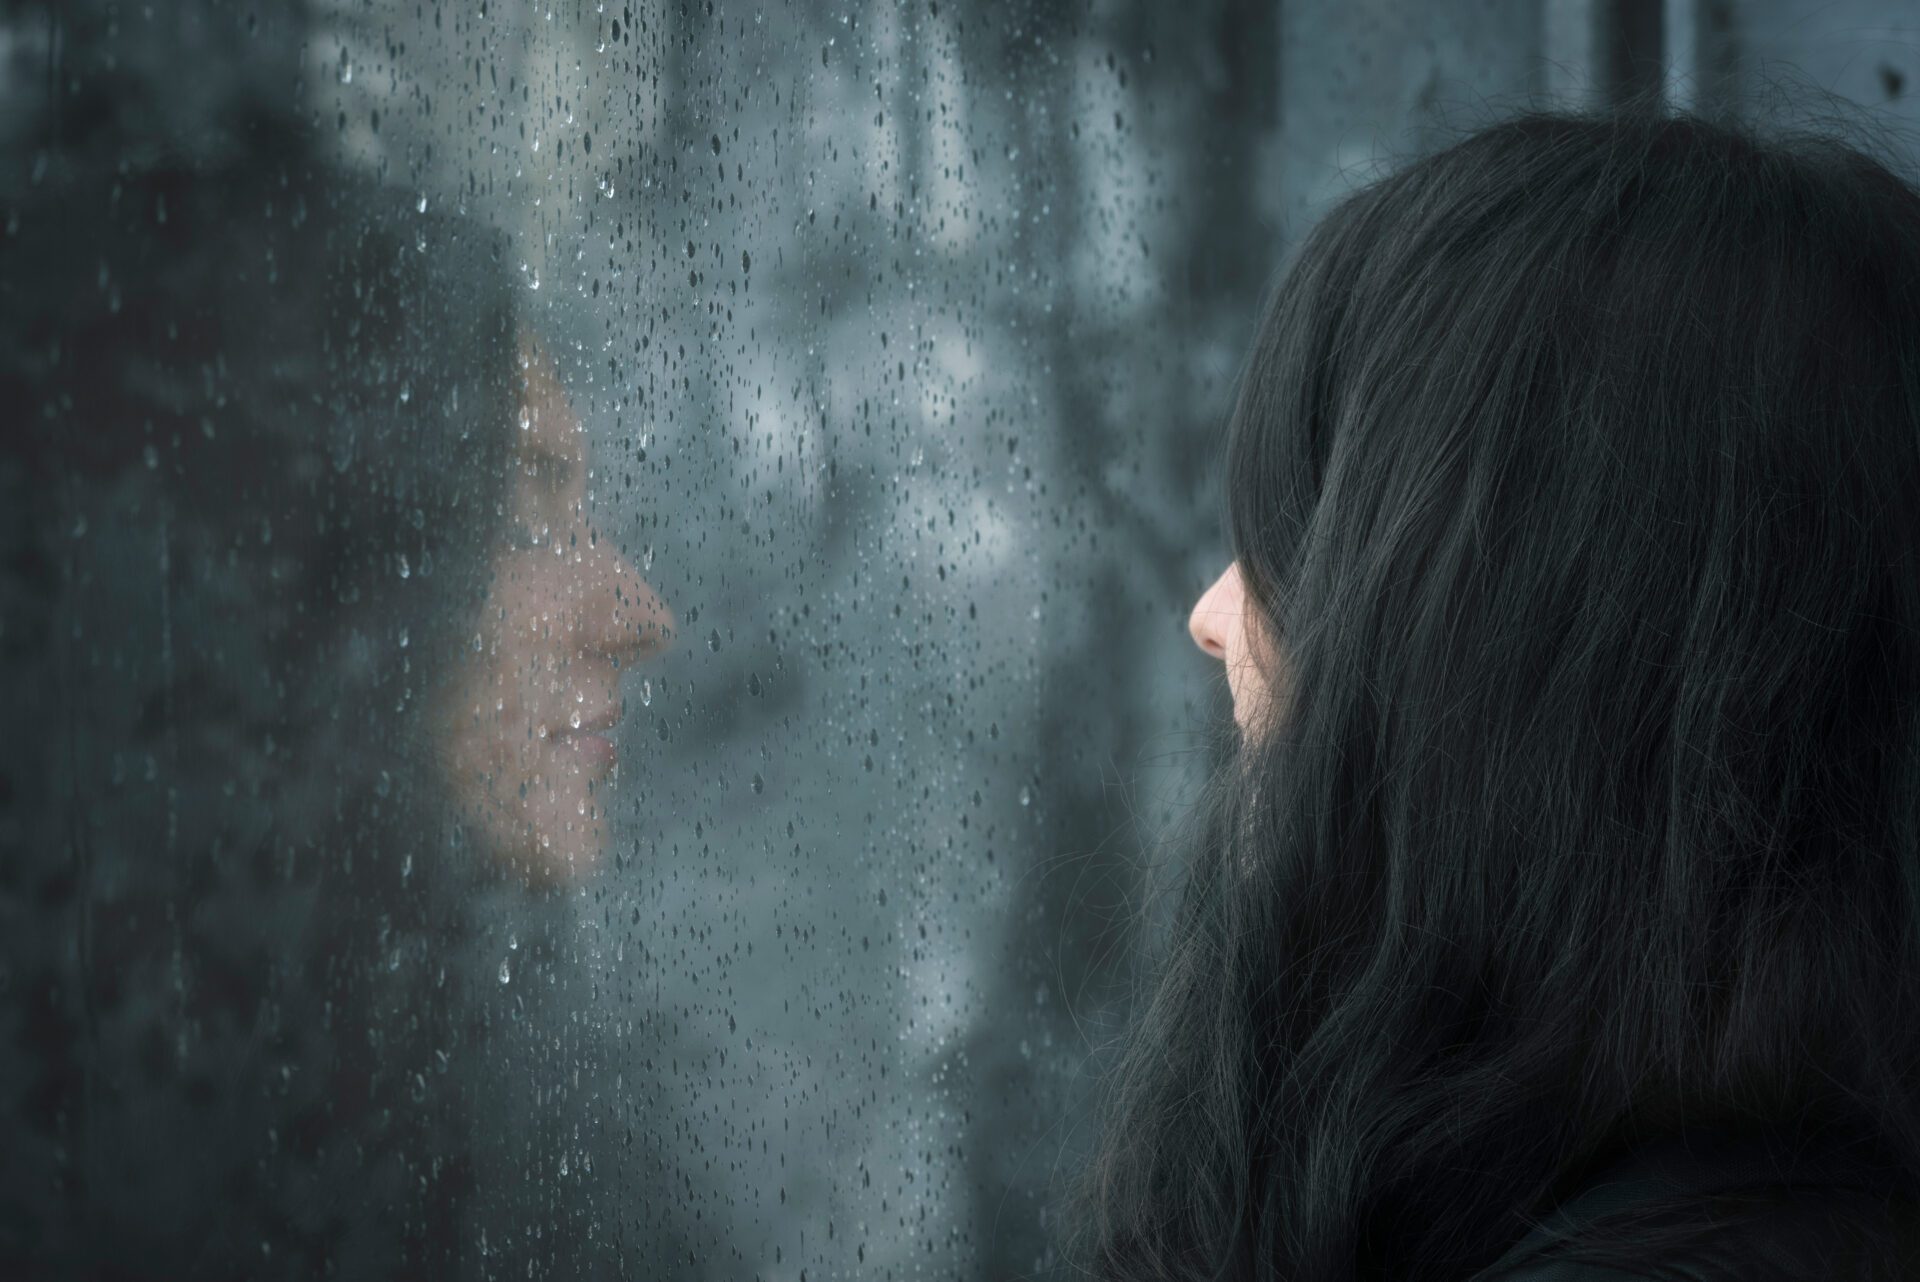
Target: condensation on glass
x=594 y=608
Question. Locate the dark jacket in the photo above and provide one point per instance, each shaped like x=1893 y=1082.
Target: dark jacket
x=1826 y=1213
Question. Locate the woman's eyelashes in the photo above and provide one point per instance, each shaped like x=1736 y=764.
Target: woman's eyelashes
x=548 y=490
x=546 y=476
x=541 y=503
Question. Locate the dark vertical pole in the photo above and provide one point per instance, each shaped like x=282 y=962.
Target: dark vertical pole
x=1702 y=56
x=1632 y=48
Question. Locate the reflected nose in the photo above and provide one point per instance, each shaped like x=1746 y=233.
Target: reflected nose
x=626 y=618
x=1215 y=613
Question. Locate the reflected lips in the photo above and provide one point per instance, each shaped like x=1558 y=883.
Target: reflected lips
x=596 y=748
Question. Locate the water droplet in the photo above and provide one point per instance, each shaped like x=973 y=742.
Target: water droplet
x=422 y=206
x=646 y=693
x=406 y=571
x=513 y=943
x=505 y=973
x=759 y=784
x=1026 y=795
x=713 y=640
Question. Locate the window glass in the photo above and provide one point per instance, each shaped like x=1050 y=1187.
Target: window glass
x=594 y=606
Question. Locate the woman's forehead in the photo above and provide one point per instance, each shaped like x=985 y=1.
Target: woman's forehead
x=549 y=426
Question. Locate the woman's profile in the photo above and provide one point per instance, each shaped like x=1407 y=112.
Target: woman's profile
x=1570 y=858
x=321 y=641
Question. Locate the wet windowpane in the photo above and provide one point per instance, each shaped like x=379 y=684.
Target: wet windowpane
x=594 y=610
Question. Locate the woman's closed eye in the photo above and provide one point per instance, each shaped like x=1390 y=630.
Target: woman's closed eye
x=547 y=475
x=525 y=535
x=546 y=492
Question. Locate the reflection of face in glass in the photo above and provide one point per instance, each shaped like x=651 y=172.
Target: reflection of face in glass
x=534 y=712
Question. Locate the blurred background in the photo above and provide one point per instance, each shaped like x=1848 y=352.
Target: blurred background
x=874 y=356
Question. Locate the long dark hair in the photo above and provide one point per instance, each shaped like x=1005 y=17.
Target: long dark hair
x=264 y=420
x=1573 y=479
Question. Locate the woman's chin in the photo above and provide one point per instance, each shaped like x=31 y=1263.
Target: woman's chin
x=545 y=851
x=566 y=853
x=548 y=835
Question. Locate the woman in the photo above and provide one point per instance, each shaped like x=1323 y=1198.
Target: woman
x=316 y=638
x=1573 y=844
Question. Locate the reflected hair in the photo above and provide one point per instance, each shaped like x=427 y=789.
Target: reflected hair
x=1573 y=475
x=265 y=419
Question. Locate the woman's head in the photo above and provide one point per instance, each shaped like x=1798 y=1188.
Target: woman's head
x=321 y=401
x=268 y=441
x=259 y=521
x=1570 y=490
x=267 y=424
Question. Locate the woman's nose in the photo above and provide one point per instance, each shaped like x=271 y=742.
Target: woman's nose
x=1214 y=614
x=626 y=617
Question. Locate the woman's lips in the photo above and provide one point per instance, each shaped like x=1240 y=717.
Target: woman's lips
x=596 y=750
